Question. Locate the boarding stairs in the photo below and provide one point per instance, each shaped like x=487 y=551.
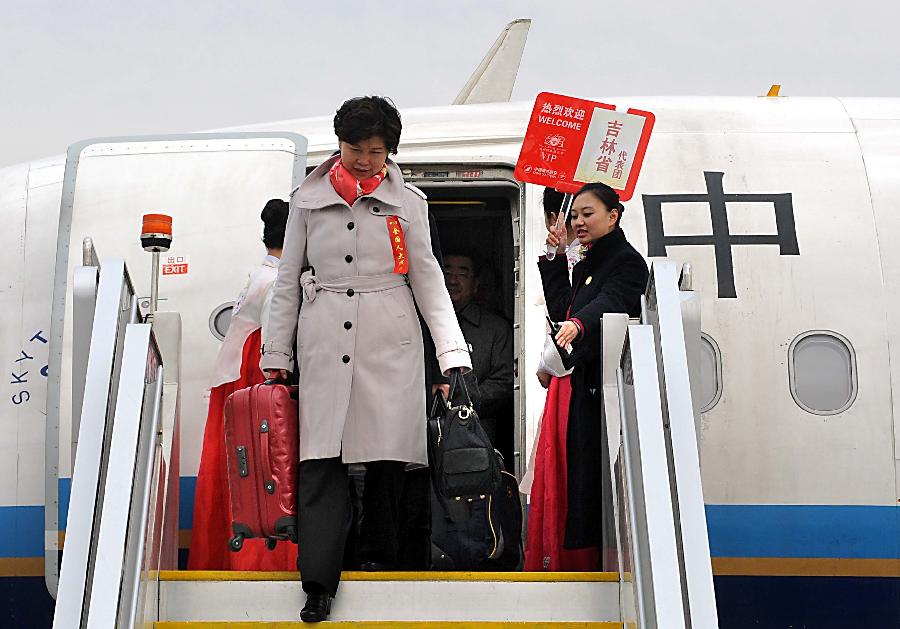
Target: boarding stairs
x=119 y=564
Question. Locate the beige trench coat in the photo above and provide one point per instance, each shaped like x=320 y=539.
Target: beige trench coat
x=362 y=380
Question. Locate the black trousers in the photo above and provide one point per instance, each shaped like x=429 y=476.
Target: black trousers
x=326 y=515
x=382 y=517
x=390 y=529
x=415 y=521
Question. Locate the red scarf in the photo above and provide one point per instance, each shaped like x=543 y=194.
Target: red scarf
x=349 y=187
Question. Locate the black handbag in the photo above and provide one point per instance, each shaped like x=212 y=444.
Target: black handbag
x=462 y=459
x=478 y=534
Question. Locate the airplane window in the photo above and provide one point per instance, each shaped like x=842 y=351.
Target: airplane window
x=220 y=320
x=710 y=373
x=822 y=372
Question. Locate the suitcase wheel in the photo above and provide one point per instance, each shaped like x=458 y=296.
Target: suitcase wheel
x=270 y=543
x=236 y=543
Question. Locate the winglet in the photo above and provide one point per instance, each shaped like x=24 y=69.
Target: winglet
x=495 y=77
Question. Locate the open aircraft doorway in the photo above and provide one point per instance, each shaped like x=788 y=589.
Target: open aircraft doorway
x=477 y=209
x=108 y=184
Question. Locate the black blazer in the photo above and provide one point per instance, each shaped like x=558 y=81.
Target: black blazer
x=610 y=278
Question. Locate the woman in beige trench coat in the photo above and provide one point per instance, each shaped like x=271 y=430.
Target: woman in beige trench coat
x=357 y=257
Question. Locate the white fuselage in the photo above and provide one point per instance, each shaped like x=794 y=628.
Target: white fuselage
x=829 y=169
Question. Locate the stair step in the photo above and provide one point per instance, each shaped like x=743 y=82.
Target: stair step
x=517 y=577
x=487 y=599
x=389 y=624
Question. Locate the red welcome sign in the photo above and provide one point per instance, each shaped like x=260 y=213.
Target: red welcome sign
x=571 y=141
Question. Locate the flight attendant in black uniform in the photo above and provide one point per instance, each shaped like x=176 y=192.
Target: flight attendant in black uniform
x=611 y=277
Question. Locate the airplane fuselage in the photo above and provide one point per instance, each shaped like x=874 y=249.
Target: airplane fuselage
x=784 y=207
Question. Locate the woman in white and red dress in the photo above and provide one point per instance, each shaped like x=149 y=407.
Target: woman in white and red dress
x=545 y=480
x=237 y=367
x=567 y=516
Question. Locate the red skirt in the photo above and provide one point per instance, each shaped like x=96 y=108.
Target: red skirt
x=549 y=502
x=212 y=507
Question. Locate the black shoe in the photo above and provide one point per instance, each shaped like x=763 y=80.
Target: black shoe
x=317 y=607
x=375 y=566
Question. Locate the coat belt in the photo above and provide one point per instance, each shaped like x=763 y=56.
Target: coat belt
x=311 y=284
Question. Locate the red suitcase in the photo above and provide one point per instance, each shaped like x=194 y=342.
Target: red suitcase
x=261 y=426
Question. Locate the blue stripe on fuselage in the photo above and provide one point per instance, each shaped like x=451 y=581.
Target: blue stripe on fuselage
x=816 y=531
x=23 y=531
x=186 y=490
x=820 y=531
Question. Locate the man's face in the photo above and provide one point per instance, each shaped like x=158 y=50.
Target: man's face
x=459 y=274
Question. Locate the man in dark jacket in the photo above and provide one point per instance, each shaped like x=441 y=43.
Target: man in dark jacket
x=491 y=347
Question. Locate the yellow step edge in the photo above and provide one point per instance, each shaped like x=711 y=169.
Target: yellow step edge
x=390 y=624
x=517 y=577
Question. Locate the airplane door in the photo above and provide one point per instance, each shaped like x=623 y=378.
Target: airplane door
x=214 y=186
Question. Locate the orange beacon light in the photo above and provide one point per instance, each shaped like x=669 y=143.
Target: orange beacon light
x=156 y=237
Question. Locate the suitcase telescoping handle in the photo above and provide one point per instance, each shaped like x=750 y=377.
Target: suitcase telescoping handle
x=268 y=481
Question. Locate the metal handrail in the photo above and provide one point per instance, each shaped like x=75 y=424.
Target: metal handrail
x=112 y=312
x=119 y=550
x=658 y=493
x=121 y=463
x=89 y=255
x=680 y=417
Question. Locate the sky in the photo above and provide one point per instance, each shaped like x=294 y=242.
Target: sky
x=76 y=70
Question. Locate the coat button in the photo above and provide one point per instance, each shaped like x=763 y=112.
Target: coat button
x=346 y=359
x=347 y=325
x=350 y=225
x=350 y=292
x=348 y=258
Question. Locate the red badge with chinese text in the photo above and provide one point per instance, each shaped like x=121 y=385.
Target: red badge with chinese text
x=571 y=141
x=398 y=245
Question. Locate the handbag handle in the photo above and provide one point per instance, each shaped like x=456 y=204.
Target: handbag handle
x=457 y=381
x=439 y=404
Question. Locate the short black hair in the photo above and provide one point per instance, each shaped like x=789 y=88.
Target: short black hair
x=366 y=117
x=274 y=217
x=607 y=195
x=464 y=253
x=553 y=200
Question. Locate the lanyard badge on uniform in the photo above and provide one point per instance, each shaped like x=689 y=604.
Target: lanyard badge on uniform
x=398 y=245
